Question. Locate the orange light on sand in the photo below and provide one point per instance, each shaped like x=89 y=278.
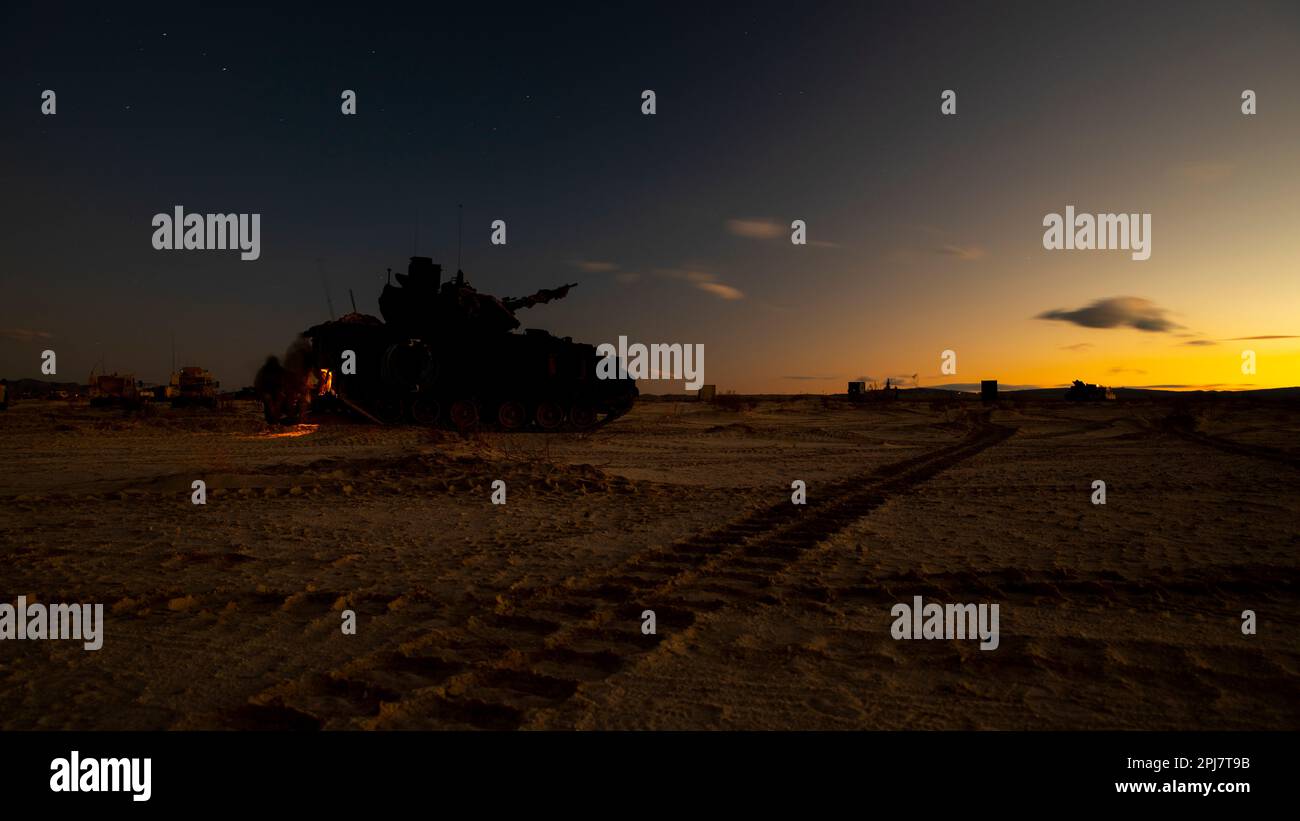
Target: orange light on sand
x=295 y=432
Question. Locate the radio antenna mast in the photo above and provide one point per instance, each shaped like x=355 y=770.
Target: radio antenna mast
x=460 y=231
x=329 y=303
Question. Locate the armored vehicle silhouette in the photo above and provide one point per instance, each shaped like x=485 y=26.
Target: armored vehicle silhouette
x=446 y=354
x=1081 y=391
x=193 y=386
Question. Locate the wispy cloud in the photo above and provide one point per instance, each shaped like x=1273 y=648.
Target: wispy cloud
x=1205 y=342
x=764 y=228
x=759 y=228
x=1117 y=312
x=24 y=334
x=704 y=281
x=922 y=242
x=596 y=266
x=809 y=378
x=720 y=290
x=1251 y=338
x=1078 y=346
x=1127 y=370
x=1202 y=173
x=965 y=253
x=593 y=266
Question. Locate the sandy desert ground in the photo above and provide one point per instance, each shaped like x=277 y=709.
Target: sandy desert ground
x=770 y=615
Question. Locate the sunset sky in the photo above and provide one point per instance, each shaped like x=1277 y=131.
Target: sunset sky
x=925 y=231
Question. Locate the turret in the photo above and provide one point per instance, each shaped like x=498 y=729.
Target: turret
x=422 y=306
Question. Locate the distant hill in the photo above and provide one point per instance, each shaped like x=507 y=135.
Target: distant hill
x=1123 y=393
x=1020 y=392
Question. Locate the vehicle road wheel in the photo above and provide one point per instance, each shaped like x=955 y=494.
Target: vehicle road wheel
x=582 y=416
x=464 y=414
x=425 y=411
x=512 y=415
x=389 y=411
x=549 y=415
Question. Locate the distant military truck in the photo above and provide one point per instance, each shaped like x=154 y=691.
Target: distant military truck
x=194 y=386
x=114 y=390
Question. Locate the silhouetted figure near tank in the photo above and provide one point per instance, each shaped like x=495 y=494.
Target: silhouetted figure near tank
x=284 y=392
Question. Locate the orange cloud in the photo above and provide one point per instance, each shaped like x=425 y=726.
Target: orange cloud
x=755 y=228
x=704 y=281
x=595 y=266
x=720 y=290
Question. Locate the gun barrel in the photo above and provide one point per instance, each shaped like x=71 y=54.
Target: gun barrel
x=542 y=296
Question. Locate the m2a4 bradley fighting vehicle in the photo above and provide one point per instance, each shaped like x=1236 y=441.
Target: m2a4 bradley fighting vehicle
x=446 y=354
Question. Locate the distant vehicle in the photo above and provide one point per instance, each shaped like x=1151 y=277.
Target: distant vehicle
x=1081 y=391
x=193 y=386
x=161 y=393
x=114 y=390
x=860 y=391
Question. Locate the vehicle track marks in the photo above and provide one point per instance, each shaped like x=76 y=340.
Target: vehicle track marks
x=543 y=644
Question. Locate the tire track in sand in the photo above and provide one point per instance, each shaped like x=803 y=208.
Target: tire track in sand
x=1183 y=428
x=539 y=645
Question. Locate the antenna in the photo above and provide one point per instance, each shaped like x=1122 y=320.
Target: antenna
x=329 y=303
x=460 y=231
x=354 y=300
x=173 y=352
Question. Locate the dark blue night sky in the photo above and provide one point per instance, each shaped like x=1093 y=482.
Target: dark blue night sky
x=827 y=113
